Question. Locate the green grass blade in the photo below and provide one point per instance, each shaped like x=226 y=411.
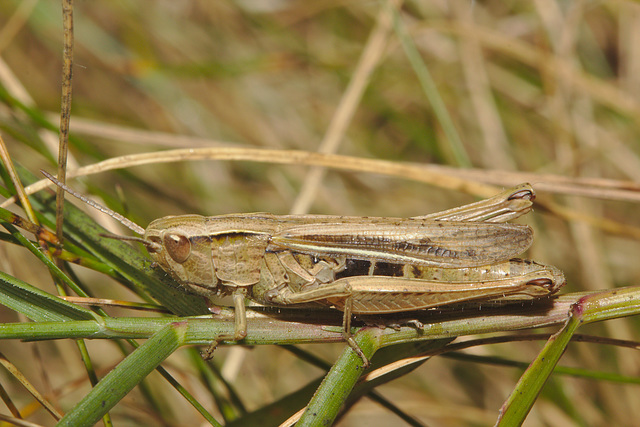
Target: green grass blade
x=430 y=90
x=339 y=382
x=36 y=304
x=528 y=388
x=591 y=308
x=118 y=382
x=559 y=370
x=53 y=268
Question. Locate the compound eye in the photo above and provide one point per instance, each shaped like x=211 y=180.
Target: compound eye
x=178 y=247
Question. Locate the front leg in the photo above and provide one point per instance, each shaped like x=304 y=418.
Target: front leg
x=240 y=324
x=240 y=319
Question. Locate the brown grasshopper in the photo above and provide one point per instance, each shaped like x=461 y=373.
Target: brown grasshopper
x=359 y=265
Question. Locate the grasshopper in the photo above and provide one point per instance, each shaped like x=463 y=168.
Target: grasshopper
x=359 y=265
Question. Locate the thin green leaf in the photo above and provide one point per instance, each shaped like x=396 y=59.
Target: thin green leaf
x=558 y=370
x=55 y=270
x=36 y=304
x=119 y=381
x=430 y=89
x=339 y=382
x=591 y=308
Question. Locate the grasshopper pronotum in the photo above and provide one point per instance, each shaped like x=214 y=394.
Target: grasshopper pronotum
x=360 y=265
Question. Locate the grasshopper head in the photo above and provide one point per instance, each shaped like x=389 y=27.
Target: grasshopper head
x=179 y=246
x=176 y=243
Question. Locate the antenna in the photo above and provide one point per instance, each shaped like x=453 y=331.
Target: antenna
x=152 y=247
x=115 y=215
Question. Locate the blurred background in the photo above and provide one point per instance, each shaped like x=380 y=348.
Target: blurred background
x=542 y=91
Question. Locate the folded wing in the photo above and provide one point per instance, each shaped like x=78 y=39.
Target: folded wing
x=422 y=242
